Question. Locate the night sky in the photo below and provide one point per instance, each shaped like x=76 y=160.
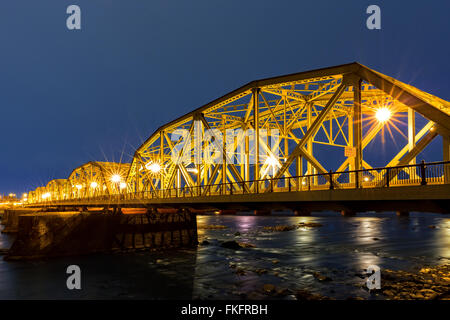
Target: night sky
x=68 y=97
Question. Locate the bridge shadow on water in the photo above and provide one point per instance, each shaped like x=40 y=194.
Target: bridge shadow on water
x=104 y=276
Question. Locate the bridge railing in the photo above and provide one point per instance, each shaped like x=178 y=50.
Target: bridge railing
x=387 y=177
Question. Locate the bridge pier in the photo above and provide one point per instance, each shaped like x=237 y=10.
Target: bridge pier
x=167 y=210
x=402 y=213
x=134 y=210
x=226 y=212
x=348 y=213
x=11 y=219
x=262 y=212
x=301 y=212
x=40 y=234
x=199 y=211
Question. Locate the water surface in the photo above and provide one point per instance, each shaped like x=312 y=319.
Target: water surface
x=341 y=249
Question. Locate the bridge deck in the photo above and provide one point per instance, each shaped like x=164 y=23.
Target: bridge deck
x=432 y=197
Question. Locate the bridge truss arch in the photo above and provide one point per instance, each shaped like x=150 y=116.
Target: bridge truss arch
x=95 y=178
x=57 y=189
x=299 y=125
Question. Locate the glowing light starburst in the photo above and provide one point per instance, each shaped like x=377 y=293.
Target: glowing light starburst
x=385 y=118
x=153 y=167
x=116 y=178
x=383 y=114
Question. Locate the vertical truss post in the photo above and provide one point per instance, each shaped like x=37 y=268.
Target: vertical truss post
x=178 y=183
x=224 y=154
x=247 y=159
x=256 y=126
x=357 y=124
x=161 y=157
x=286 y=153
x=198 y=148
x=423 y=173
x=286 y=140
x=299 y=171
x=446 y=157
x=411 y=140
x=351 y=162
x=411 y=132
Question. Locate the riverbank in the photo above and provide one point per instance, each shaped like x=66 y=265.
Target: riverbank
x=429 y=283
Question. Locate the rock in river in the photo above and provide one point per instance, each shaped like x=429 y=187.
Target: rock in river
x=231 y=245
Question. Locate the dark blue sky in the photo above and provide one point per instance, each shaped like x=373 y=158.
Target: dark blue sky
x=68 y=97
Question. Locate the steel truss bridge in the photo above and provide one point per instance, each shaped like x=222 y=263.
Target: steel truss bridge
x=304 y=141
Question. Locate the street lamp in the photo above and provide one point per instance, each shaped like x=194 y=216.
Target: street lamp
x=154 y=167
x=383 y=114
x=116 y=178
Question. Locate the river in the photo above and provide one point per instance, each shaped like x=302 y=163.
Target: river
x=339 y=250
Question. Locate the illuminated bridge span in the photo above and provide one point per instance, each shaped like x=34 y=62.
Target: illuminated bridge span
x=334 y=138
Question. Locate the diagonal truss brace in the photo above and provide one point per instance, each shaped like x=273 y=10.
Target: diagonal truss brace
x=300 y=149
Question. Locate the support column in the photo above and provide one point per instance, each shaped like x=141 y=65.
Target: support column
x=286 y=155
x=411 y=132
x=300 y=212
x=299 y=172
x=198 y=138
x=224 y=154
x=357 y=126
x=226 y=212
x=178 y=186
x=446 y=157
x=262 y=212
x=411 y=141
x=161 y=155
x=286 y=140
x=446 y=148
x=402 y=214
x=247 y=157
x=256 y=126
x=348 y=213
x=351 y=162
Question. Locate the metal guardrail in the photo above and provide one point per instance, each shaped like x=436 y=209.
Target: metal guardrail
x=387 y=177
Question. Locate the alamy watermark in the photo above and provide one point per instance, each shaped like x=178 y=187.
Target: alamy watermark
x=74 y=280
x=374 y=20
x=374 y=280
x=73 y=21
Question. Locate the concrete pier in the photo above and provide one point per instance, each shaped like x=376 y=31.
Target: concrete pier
x=167 y=210
x=402 y=213
x=302 y=212
x=11 y=219
x=348 y=213
x=50 y=234
x=262 y=212
x=226 y=212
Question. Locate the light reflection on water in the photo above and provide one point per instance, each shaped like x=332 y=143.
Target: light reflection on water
x=341 y=249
